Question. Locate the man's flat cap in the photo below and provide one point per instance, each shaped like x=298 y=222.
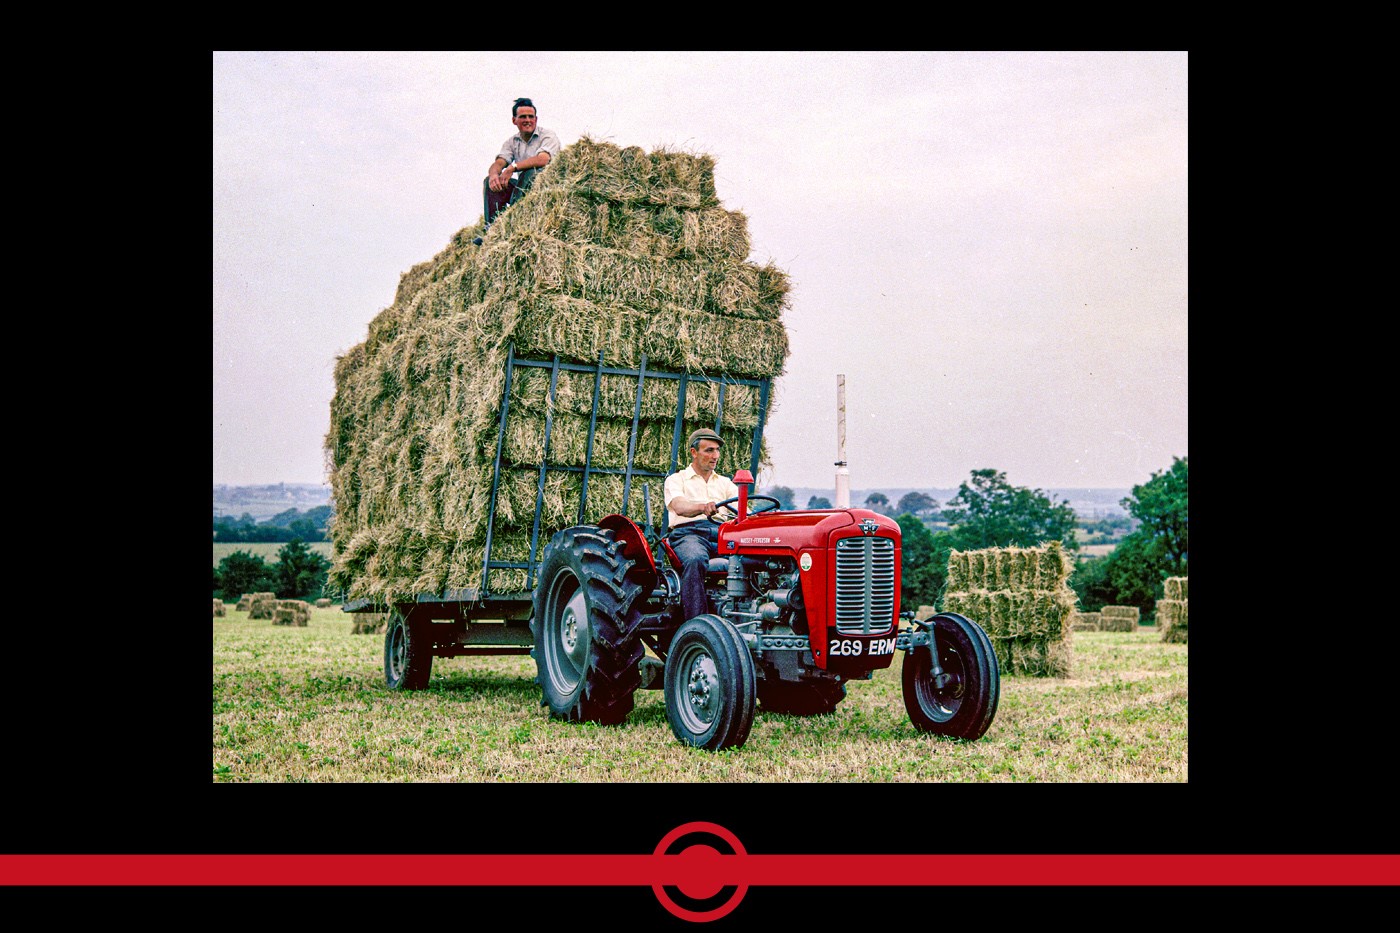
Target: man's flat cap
x=704 y=434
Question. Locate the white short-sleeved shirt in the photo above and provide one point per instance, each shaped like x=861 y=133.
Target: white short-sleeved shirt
x=542 y=140
x=688 y=484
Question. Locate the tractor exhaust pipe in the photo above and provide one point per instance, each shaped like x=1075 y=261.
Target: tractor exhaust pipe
x=843 y=475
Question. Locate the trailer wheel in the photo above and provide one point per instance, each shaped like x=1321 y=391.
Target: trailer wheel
x=587 y=608
x=709 y=684
x=963 y=705
x=804 y=699
x=408 y=653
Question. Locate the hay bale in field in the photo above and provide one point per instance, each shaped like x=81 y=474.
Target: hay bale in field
x=1174 y=588
x=291 y=612
x=924 y=613
x=1118 y=618
x=615 y=251
x=219 y=608
x=245 y=602
x=1171 y=620
x=323 y=603
x=370 y=623
x=1084 y=622
x=262 y=605
x=1022 y=598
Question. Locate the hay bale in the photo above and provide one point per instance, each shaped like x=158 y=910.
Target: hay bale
x=924 y=613
x=1022 y=599
x=370 y=623
x=291 y=612
x=219 y=608
x=615 y=252
x=1118 y=618
x=245 y=602
x=1174 y=588
x=262 y=605
x=1171 y=620
x=323 y=603
x=1084 y=622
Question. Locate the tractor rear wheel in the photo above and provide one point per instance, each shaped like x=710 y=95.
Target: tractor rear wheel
x=587 y=607
x=408 y=652
x=709 y=684
x=803 y=699
x=963 y=702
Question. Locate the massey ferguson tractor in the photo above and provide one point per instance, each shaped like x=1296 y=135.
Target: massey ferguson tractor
x=801 y=602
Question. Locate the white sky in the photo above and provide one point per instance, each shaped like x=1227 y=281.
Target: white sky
x=990 y=246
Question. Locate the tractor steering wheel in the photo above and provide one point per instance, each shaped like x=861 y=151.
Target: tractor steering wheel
x=728 y=503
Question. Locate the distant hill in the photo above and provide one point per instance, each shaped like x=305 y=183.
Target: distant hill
x=263 y=502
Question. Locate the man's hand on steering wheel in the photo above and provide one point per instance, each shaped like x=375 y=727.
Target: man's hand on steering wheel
x=729 y=504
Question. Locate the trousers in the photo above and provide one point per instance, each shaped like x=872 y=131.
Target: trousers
x=695 y=543
x=493 y=202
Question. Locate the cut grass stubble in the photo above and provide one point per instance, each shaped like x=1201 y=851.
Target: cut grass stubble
x=310 y=705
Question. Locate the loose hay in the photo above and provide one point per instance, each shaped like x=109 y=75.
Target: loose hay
x=617 y=258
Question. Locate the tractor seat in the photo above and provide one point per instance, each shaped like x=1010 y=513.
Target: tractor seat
x=716 y=564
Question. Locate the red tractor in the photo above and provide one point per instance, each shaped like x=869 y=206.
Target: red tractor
x=802 y=602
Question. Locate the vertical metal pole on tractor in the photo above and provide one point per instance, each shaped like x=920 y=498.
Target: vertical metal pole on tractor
x=843 y=475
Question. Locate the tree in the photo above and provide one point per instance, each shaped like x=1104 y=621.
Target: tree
x=818 y=502
x=922 y=568
x=300 y=570
x=1132 y=574
x=992 y=513
x=877 y=502
x=242 y=572
x=916 y=503
x=784 y=495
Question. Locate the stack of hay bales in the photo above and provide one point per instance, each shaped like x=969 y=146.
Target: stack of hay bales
x=219 y=609
x=1118 y=619
x=924 y=613
x=245 y=602
x=323 y=603
x=1022 y=599
x=1084 y=622
x=1171 y=610
x=291 y=612
x=614 y=251
x=370 y=623
x=262 y=605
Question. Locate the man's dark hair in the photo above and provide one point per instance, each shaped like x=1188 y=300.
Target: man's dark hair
x=523 y=102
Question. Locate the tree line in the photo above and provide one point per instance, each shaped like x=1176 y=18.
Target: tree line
x=987 y=511
x=291 y=525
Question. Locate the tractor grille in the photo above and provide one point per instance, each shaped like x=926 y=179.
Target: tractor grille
x=864 y=585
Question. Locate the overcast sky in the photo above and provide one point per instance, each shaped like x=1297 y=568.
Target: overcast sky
x=990 y=246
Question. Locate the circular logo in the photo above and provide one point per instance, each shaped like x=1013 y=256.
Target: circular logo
x=698 y=851
x=805 y=561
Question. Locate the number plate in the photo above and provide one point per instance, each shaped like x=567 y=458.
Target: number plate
x=860 y=647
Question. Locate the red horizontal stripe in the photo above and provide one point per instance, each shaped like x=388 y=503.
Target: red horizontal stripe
x=704 y=872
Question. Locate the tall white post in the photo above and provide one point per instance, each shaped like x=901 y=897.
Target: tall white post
x=843 y=475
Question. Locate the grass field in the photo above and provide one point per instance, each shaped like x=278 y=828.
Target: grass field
x=266 y=550
x=309 y=705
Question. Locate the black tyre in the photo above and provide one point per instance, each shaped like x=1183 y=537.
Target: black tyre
x=588 y=605
x=965 y=703
x=408 y=653
x=709 y=684
x=807 y=699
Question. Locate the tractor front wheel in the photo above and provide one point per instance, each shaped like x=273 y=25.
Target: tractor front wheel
x=963 y=699
x=709 y=684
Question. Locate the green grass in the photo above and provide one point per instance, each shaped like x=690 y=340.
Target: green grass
x=267 y=550
x=310 y=705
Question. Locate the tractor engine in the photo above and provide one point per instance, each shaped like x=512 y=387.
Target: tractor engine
x=814 y=592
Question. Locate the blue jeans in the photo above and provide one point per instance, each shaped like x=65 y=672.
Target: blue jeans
x=695 y=543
